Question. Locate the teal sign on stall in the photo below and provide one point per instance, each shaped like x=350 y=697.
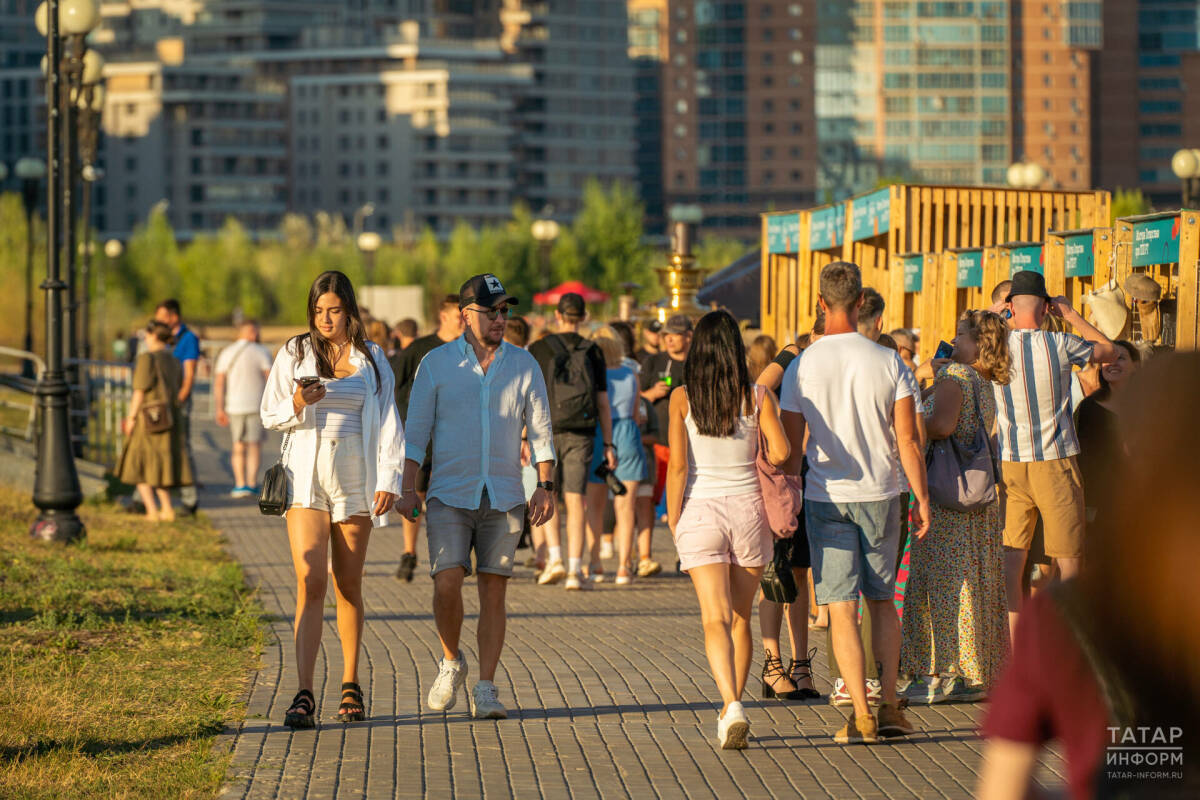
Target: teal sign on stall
x=783 y=233
x=1025 y=258
x=970 y=269
x=914 y=273
x=1156 y=241
x=1078 y=259
x=871 y=215
x=826 y=227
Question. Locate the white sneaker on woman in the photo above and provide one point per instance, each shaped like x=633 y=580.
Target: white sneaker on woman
x=733 y=729
x=451 y=676
x=485 y=704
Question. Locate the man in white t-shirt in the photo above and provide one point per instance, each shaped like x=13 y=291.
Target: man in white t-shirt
x=241 y=377
x=857 y=401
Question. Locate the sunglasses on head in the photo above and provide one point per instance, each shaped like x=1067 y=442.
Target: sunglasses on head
x=492 y=313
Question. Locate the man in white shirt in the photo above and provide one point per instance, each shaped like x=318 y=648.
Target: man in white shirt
x=241 y=378
x=474 y=396
x=857 y=401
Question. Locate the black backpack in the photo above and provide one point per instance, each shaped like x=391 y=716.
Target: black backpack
x=571 y=386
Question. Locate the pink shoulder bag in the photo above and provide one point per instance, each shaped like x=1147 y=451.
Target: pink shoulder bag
x=782 y=495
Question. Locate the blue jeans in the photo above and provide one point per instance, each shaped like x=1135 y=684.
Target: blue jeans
x=853 y=548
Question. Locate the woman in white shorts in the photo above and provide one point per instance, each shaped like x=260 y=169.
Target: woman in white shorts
x=332 y=391
x=715 y=504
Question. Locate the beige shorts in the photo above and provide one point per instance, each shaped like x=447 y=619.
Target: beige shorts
x=1051 y=489
x=339 y=483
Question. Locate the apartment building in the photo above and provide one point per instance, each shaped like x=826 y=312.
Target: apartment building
x=428 y=139
x=21 y=50
x=206 y=137
x=739 y=124
x=649 y=49
x=1146 y=95
x=576 y=121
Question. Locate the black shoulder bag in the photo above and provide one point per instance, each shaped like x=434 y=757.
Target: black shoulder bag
x=273 y=498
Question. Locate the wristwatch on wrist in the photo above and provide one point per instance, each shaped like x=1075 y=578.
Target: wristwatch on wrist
x=547 y=485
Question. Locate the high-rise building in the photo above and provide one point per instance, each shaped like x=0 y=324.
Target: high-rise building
x=206 y=136
x=934 y=88
x=21 y=50
x=1054 y=46
x=576 y=122
x=739 y=125
x=1145 y=102
x=842 y=168
x=649 y=46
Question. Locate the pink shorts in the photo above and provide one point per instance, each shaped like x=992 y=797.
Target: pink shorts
x=724 y=530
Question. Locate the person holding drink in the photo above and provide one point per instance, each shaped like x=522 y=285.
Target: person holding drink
x=662 y=373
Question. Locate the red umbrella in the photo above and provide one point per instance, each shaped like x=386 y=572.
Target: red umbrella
x=551 y=297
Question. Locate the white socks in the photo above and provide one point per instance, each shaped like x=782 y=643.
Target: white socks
x=574 y=565
x=555 y=554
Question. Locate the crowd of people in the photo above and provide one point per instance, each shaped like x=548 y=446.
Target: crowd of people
x=938 y=496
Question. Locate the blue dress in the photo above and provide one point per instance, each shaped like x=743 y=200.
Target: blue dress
x=622 y=399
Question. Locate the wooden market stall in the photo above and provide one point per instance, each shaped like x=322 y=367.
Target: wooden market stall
x=1164 y=247
x=882 y=231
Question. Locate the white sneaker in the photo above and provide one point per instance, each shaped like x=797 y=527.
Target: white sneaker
x=733 y=729
x=576 y=582
x=623 y=580
x=484 y=702
x=451 y=676
x=553 y=573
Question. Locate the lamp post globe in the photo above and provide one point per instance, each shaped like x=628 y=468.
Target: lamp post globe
x=41 y=20
x=1016 y=175
x=369 y=241
x=78 y=17
x=1034 y=175
x=1186 y=163
x=29 y=169
x=113 y=248
x=93 y=67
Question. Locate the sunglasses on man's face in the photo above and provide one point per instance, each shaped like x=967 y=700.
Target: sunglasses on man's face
x=492 y=313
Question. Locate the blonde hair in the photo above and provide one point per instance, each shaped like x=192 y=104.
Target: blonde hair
x=377 y=332
x=759 y=354
x=611 y=345
x=993 y=362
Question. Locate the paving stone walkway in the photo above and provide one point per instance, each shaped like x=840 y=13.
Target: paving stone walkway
x=608 y=693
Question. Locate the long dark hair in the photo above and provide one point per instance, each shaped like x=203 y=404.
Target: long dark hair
x=339 y=284
x=1105 y=390
x=718 y=381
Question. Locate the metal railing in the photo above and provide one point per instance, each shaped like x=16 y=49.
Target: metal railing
x=24 y=409
x=105 y=389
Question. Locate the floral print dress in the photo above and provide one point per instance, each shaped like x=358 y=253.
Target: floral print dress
x=955 y=617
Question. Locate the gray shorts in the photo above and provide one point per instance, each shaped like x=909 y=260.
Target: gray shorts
x=246 y=428
x=455 y=532
x=853 y=548
x=573 y=450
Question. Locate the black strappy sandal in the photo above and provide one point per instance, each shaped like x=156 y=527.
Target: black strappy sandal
x=798 y=670
x=301 y=713
x=771 y=675
x=352 y=708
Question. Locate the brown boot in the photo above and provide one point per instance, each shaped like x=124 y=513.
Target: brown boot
x=892 y=721
x=858 y=730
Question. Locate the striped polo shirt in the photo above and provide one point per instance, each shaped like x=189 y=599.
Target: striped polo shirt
x=1033 y=411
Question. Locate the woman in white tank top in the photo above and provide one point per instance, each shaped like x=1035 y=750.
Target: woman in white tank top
x=715 y=504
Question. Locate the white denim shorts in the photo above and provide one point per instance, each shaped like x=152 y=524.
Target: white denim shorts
x=339 y=482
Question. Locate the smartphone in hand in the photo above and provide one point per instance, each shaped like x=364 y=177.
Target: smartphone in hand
x=308 y=380
x=944 y=350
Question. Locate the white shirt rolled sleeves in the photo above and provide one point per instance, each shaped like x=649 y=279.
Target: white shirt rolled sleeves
x=382 y=432
x=475 y=420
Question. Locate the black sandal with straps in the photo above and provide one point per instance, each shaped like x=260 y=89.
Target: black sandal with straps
x=800 y=669
x=301 y=713
x=352 y=708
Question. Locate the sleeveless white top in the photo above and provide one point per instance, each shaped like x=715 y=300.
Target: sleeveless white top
x=722 y=466
x=339 y=414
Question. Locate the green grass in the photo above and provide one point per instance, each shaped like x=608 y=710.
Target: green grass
x=121 y=659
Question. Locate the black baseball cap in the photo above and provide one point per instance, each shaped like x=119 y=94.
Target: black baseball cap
x=1028 y=282
x=484 y=290
x=571 y=305
x=678 y=325
x=654 y=326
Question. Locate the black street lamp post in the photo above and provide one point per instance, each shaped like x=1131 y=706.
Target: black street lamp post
x=56 y=491
x=30 y=171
